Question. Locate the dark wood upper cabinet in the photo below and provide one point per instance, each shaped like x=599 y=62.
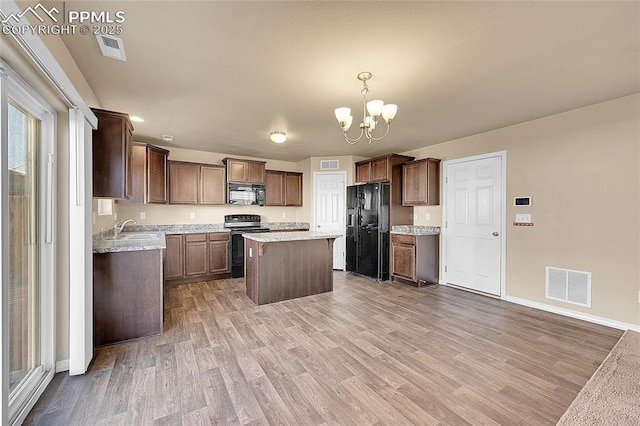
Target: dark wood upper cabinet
x=379 y=169
x=112 y=155
x=274 y=188
x=363 y=171
x=156 y=175
x=245 y=171
x=183 y=182
x=283 y=188
x=213 y=188
x=421 y=182
x=293 y=189
x=149 y=175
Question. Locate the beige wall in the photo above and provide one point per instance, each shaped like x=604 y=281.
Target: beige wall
x=14 y=57
x=582 y=169
x=180 y=214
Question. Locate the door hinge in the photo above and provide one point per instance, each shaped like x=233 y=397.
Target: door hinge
x=446 y=224
x=445 y=268
x=446 y=179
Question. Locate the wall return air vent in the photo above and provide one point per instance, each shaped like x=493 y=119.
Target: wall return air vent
x=329 y=164
x=111 y=47
x=569 y=286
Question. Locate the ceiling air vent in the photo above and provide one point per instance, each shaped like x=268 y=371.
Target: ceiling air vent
x=329 y=164
x=569 y=286
x=111 y=47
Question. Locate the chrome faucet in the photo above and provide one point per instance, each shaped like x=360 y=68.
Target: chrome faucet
x=117 y=228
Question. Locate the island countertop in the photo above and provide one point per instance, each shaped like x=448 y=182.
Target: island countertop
x=274 y=237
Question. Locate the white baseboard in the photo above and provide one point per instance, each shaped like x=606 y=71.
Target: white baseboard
x=562 y=311
x=62 y=365
x=574 y=314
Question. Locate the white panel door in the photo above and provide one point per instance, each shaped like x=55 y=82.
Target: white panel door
x=474 y=204
x=329 y=192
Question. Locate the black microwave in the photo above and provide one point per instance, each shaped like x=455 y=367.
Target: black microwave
x=246 y=194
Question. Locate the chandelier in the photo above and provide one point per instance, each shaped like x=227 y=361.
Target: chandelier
x=369 y=122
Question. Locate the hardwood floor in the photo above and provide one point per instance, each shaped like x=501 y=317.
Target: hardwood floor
x=367 y=353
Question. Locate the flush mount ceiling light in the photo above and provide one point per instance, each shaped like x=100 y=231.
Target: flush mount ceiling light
x=369 y=122
x=136 y=119
x=278 y=137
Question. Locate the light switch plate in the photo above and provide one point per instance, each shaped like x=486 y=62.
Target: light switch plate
x=192 y=215
x=427 y=216
x=523 y=218
x=143 y=215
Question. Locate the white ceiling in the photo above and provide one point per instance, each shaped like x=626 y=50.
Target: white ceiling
x=220 y=76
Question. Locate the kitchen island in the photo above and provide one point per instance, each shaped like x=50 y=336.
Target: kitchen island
x=286 y=265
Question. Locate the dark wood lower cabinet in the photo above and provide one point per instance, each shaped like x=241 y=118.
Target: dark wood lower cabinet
x=174 y=257
x=127 y=295
x=192 y=257
x=195 y=254
x=414 y=258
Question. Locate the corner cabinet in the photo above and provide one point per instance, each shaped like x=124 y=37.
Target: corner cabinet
x=421 y=182
x=414 y=258
x=245 y=171
x=149 y=175
x=112 y=155
x=283 y=188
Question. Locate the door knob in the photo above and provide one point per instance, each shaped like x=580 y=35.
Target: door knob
x=495 y=234
x=318 y=226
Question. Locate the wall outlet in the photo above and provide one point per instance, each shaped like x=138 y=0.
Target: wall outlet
x=415 y=216
x=143 y=215
x=192 y=215
x=639 y=297
x=115 y=216
x=94 y=218
x=427 y=216
x=284 y=215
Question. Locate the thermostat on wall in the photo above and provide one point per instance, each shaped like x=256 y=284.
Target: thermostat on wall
x=522 y=201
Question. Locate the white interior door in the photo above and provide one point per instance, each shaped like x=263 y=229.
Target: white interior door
x=474 y=222
x=329 y=193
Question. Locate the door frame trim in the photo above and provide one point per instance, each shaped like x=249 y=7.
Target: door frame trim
x=344 y=196
x=503 y=218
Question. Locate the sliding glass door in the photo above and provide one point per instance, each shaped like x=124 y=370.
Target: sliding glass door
x=27 y=237
x=24 y=241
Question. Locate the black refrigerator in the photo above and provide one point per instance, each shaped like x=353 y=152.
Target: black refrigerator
x=367 y=233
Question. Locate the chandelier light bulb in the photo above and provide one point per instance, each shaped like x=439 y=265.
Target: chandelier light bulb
x=389 y=112
x=375 y=108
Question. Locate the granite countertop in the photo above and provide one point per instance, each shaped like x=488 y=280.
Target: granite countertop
x=415 y=230
x=130 y=241
x=211 y=227
x=274 y=237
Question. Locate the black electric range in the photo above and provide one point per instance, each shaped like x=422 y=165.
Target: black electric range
x=239 y=224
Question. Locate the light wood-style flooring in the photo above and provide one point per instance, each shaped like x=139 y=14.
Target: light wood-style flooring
x=366 y=353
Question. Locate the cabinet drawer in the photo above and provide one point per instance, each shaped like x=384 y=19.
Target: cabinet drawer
x=403 y=239
x=219 y=236
x=190 y=238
